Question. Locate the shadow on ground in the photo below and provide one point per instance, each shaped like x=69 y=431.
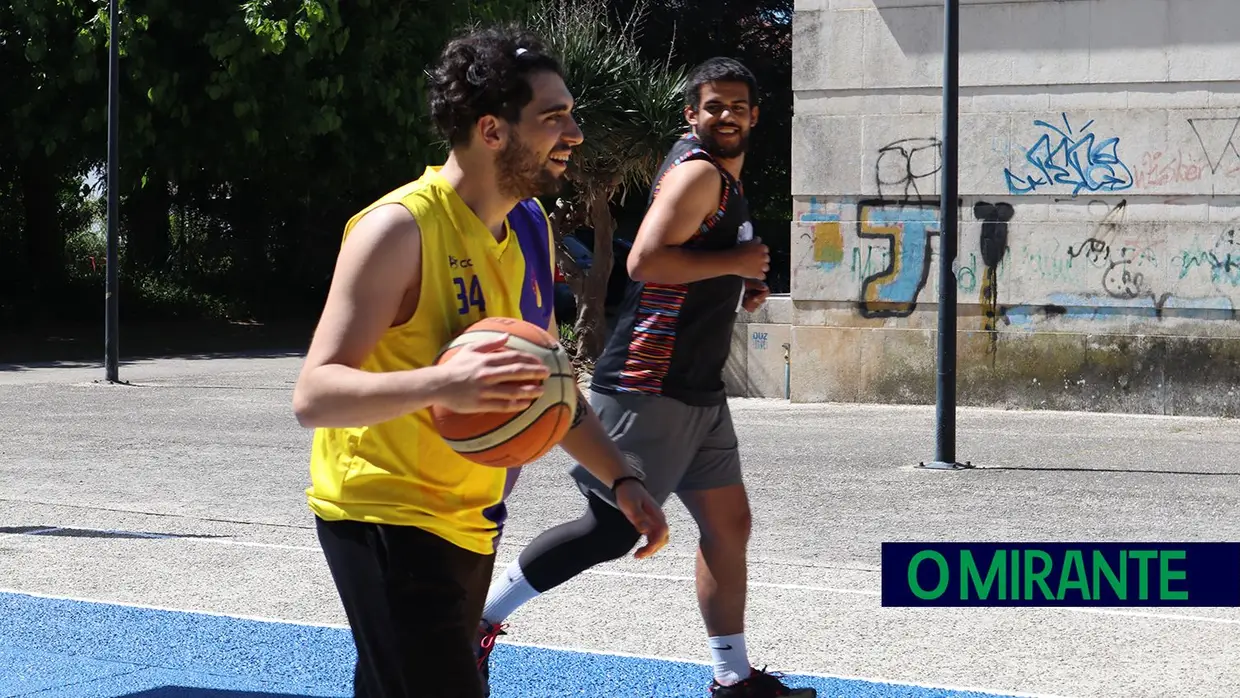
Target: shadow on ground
x=69 y=532
x=81 y=346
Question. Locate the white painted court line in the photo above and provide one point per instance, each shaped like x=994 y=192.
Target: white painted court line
x=769 y=585
x=554 y=648
x=870 y=592
x=1149 y=615
x=253 y=544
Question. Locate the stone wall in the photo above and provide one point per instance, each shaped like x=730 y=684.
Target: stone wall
x=1099 y=258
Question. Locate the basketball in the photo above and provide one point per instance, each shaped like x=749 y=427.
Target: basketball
x=512 y=439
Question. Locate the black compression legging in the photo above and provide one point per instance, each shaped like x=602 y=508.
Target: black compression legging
x=602 y=533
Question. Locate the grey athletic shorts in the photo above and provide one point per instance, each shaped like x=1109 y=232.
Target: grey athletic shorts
x=676 y=447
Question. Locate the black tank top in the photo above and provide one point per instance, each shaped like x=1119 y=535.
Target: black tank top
x=674 y=339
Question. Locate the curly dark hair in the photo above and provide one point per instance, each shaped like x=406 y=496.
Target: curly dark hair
x=485 y=72
x=719 y=69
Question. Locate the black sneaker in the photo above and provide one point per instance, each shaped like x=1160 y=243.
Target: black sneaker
x=760 y=684
x=486 y=642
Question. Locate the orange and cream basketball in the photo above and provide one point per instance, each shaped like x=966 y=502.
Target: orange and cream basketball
x=512 y=439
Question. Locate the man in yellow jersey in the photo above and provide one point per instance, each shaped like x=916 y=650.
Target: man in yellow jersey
x=409 y=527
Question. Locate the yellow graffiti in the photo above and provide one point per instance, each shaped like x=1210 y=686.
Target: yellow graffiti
x=893 y=232
x=828 y=243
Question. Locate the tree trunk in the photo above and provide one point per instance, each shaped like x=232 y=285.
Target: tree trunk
x=565 y=218
x=591 y=325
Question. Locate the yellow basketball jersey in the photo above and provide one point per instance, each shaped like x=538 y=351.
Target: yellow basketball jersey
x=401 y=471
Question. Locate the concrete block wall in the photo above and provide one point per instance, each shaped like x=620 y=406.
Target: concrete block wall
x=1099 y=254
x=761 y=351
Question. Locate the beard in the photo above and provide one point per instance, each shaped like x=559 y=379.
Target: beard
x=712 y=145
x=522 y=173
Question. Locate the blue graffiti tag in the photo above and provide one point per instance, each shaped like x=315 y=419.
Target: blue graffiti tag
x=1078 y=159
x=820 y=212
x=906 y=229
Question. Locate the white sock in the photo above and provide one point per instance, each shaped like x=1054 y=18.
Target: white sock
x=507 y=594
x=731 y=659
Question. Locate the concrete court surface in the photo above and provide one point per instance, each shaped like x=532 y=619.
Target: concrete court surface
x=184 y=489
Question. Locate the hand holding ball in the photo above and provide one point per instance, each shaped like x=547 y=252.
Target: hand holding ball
x=519 y=396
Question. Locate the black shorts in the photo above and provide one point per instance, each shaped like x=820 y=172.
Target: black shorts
x=414 y=602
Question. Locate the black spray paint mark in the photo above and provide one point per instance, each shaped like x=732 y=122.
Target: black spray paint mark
x=994 y=243
x=902 y=164
x=1217 y=137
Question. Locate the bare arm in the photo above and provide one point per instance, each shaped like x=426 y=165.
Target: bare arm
x=379 y=263
x=589 y=445
x=689 y=194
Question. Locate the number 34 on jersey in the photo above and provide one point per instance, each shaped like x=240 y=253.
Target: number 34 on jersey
x=469 y=294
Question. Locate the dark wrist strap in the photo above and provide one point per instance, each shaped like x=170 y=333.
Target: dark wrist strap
x=622 y=478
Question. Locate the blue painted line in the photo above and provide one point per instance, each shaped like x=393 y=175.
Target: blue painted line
x=55 y=648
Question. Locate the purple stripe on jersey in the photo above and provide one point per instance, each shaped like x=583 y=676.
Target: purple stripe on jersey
x=498 y=513
x=537 y=293
x=530 y=225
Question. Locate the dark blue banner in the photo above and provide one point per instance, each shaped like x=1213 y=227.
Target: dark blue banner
x=1061 y=574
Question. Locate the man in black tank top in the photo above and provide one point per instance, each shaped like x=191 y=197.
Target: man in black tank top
x=658 y=387
x=674 y=330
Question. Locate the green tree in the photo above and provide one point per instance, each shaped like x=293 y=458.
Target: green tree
x=278 y=119
x=629 y=110
x=250 y=130
x=50 y=73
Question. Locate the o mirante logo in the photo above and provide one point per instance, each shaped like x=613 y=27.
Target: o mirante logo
x=1061 y=574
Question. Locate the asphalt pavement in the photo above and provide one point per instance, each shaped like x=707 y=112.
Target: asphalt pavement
x=184 y=490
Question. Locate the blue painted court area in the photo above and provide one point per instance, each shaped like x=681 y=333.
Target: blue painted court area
x=76 y=649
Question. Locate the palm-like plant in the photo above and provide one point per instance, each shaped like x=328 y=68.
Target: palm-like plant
x=630 y=110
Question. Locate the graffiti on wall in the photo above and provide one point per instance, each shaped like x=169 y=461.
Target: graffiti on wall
x=904 y=229
x=1160 y=168
x=1065 y=157
x=1129 y=270
x=893 y=250
x=994 y=244
x=824 y=222
x=1220 y=142
x=1068 y=160
x=886 y=251
x=1213 y=150
x=904 y=166
x=878 y=253
x=1221 y=261
x=1126 y=271
x=884 y=257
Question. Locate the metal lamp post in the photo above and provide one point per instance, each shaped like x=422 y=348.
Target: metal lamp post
x=945 y=409
x=110 y=337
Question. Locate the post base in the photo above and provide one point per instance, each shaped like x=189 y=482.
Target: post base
x=940 y=465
